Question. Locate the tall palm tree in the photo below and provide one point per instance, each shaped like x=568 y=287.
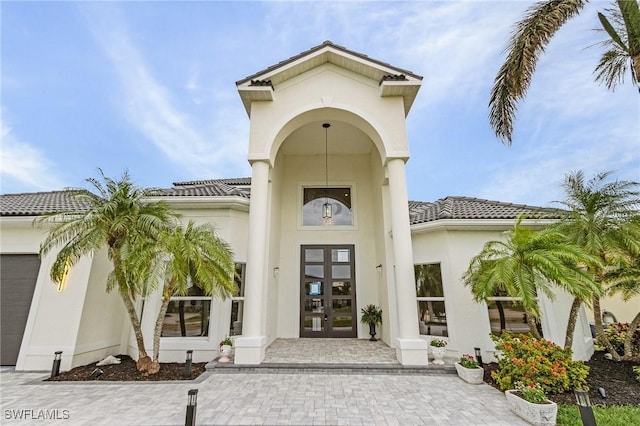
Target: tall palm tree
x=604 y=220
x=117 y=216
x=528 y=263
x=191 y=256
x=533 y=33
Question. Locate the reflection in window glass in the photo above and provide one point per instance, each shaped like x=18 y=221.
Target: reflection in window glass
x=507 y=315
x=314 y=271
x=341 y=288
x=314 y=255
x=237 y=302
x=187 y=318
x=315 y=198
x=341 y=271
x=432 y=316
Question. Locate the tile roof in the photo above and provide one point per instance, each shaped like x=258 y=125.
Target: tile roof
x=322 y=46
x=474 y=208
x=38 y=203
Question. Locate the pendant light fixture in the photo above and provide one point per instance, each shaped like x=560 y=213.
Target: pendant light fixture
x=327 y=210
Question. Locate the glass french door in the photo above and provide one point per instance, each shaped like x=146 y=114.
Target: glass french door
x=327 y=291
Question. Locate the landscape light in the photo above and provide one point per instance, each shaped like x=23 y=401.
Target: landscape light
x=192 y=402
x=584 y=404
x=55 y=368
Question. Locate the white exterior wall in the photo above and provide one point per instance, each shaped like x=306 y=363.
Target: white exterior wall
x=323 y=94
x=103 y=316
x=55 y=318
x=624 y=311
x=467 y=321
x=231 y=226
x=350 y=170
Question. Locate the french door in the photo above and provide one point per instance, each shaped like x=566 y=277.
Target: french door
x=327 y=291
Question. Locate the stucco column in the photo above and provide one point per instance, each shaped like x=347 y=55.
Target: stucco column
x=250 y=347
x=410 y=348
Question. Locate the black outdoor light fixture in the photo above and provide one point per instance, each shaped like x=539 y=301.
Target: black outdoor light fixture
x=327 y=210
x=187 y=364
x=55 y=368
x=478 y=355
x=97 y=373
x=192 y=401
x=586 y=412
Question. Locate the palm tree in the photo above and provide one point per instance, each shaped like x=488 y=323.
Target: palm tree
x=603 y=219
x=533 y=33
x=117 y=216
x=528 y=263
x=624 y=279
x=190 y=256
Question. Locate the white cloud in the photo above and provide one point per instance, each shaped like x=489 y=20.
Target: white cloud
x=148 y=105
x=23 y=165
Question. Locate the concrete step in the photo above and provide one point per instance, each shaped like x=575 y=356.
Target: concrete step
x=329 y=368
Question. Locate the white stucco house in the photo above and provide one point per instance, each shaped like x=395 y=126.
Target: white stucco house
x=322 y=228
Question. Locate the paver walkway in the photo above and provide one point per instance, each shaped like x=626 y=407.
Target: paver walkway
x=289 y=397
x=243 y=399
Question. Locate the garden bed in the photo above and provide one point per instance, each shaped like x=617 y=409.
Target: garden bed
x=126 y=371
x=617 y=379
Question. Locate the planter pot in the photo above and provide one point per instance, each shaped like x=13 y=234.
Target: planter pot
x=536 y=414
x=372 y=332
x=224 y=351
x=438 y=355
x=475 y=376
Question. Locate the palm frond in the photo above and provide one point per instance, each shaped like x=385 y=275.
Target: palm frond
x=529 y=39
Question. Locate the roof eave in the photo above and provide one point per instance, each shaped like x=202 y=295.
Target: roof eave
x=198 y=202
x=476 y=224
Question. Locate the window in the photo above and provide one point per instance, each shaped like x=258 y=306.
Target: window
x=188 y=316
x=432 y=315
x=237 y=302
x=338 y=198
x=507 y=313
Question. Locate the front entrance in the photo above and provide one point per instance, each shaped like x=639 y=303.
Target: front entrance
x=327 y=291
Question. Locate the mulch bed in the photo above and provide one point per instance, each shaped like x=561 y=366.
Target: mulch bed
x=126 y=371
x=616 y=378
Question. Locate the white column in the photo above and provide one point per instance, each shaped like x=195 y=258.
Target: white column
x=250 y=347
x=410 y=348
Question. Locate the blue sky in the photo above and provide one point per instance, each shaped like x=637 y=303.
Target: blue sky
x=149 y=87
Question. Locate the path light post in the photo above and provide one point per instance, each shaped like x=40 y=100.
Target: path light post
x=586 y=412
x=55 y=368
x=187 y=364
x=192 y=401
x=478 y=356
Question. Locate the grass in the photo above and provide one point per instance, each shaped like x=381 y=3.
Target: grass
x=569 y=415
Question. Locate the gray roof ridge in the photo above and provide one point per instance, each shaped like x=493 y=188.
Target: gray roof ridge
x=319 y=47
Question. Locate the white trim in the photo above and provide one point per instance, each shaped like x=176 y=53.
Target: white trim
x=198 y=202
x=477 y=224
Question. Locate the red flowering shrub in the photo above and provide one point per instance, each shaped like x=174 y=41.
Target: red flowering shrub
x=537 y=361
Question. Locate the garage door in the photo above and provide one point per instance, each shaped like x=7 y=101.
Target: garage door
x=18 y=275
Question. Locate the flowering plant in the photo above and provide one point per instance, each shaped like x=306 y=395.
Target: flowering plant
x=532 y=392
x=529 y=360
x=438 y=343
x=226 y=341
x=468 y=361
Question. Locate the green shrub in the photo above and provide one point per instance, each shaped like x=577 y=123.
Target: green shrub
x=537 y=361
x=617 y=333
x=637 y=371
